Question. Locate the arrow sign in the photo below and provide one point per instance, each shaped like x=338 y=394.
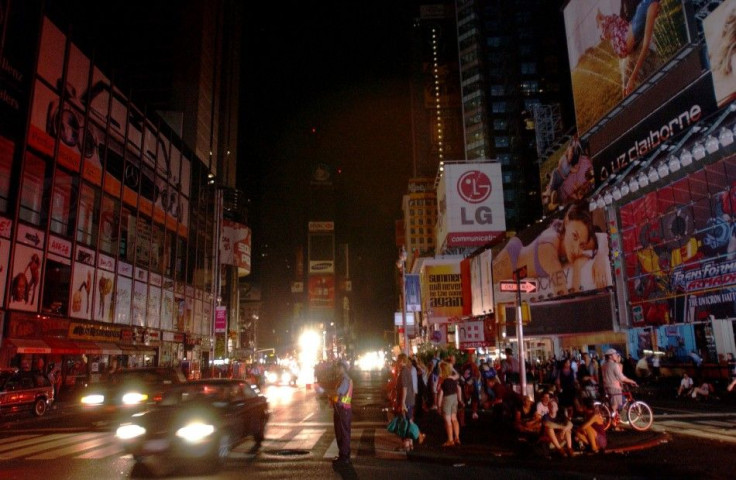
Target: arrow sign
x=526 y=286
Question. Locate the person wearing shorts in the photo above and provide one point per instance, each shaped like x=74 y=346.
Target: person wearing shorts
x=449 y=399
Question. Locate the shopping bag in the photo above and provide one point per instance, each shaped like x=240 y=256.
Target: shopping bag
x=413 y=432
x=399 y=426
x=393 y=425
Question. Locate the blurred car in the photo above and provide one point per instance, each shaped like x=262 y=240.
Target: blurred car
x=279 y=375
x=25 y=391
x=197 y=424
x=129 y=390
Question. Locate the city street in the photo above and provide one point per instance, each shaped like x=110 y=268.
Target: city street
x=300 y=442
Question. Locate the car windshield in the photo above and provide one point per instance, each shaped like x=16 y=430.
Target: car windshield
x=144 y=377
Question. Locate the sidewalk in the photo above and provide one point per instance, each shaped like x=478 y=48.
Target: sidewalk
x=486 y=441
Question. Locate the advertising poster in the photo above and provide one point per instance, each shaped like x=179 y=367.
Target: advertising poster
x=82 y=290
x=471 y=334
x=476 y=286
x=720 y=40
x=154 y=307
x=570 y=255
x=610 y=53
x=679 y=249
x=413 y=293
x=4 y=258
x=123 y=298
x=103 y=304
x=167 y=311
x=140 y=304
x=51 y=54
x=321 y=290
x=444 y=292
x=566 y=176
x=25 y=279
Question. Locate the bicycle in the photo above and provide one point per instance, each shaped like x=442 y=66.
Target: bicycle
x=635 y=413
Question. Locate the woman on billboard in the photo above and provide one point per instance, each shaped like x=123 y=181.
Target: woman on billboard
x=566 y=246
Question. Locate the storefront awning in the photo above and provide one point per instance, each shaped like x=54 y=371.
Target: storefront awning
x=64 y=347
x=108 y=348
x=27 y=345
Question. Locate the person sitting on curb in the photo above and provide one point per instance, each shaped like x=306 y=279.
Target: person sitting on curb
x=556 y=427
x=591 y=433
x=527 y=421
x=703 y=392
x=686 y=386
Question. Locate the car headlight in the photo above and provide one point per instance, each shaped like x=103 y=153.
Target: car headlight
x=286 y=377
x=195 y=432
x=94 y=399
x=126 y=432
x=134 y=398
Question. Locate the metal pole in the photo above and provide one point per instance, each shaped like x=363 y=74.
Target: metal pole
x=520 y=336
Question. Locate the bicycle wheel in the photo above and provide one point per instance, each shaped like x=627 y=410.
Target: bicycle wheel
x=640 y=416
x=605 y=412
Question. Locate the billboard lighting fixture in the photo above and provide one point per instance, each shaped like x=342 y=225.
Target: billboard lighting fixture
x=652 y=175
x=616 y=193
x=686 y=158
x=674 y=163
x=711 y=144
x=633 y=185
x=663 y=170
x=607 y=198
x=624 y=189
x=643 y=180
x=600 y=203
x=698 y=151
x=725 y=137
x=593 y=205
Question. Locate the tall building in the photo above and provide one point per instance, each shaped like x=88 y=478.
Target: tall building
x=512 y=62
x=436 y=115
x=118 y=143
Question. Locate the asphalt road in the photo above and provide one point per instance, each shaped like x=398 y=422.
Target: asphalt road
x=300 y=443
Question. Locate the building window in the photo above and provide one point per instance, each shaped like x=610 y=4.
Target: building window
x=109 y=221
x=498 y=107
x=31 y=194
x=87 y=216
x=56 y=285
x=528 y=68
x=501 y=141
x=61 y=203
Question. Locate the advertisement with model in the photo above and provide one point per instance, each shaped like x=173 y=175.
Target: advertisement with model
x=614 y=46
x=470 y=205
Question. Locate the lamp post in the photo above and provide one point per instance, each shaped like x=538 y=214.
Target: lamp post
x=401 y=264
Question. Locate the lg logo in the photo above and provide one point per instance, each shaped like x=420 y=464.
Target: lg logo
x=474 y=186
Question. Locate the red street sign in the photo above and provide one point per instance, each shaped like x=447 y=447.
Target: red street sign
x=526 y=286
x=520 y=273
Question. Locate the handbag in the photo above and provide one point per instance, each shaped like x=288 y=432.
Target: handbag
x=413 y=432
x=399 y=426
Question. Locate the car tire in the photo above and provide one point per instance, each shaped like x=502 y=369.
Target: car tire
x=221 y=450
x=39 y=407
x=260 y=433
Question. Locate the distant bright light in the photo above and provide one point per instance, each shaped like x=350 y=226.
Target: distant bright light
x=371 y=361
x=309 y=347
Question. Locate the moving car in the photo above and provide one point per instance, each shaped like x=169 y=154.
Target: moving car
x=129 y=390
x=197 y=424
x=25 y=391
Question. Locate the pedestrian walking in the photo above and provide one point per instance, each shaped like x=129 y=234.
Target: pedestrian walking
x=343 y=413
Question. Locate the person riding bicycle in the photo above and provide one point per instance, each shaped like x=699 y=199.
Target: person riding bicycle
x=613 y=379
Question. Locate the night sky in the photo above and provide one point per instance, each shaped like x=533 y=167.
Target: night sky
x=326 y=81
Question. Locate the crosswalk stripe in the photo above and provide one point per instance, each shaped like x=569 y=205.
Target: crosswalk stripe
x=61 y=439
x=34 y=440
x=333 y=451
x=16 y=438
x=112 y=449
x=78 y=447
x=305 y=439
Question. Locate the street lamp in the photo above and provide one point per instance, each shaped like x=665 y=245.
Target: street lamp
x=401 y=264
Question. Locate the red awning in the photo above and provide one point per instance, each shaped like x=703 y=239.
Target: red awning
x=63 y=346
x=27 y=345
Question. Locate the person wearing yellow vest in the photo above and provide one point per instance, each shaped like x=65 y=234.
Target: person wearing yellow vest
x=343 y=413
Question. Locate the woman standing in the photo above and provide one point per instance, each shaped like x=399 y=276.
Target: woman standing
x=449 y=398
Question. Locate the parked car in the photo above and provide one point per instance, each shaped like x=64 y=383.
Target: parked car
x=128 y=391
x=197 y=424
x=25 y=391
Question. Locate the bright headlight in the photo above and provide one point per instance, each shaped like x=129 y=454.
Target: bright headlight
x=126 y=432
x=195 y=432
x=95 y=399
x=286 y=377
x=271 y=377
x=134 y=398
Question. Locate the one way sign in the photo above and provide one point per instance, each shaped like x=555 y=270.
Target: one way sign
x=525 y=286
